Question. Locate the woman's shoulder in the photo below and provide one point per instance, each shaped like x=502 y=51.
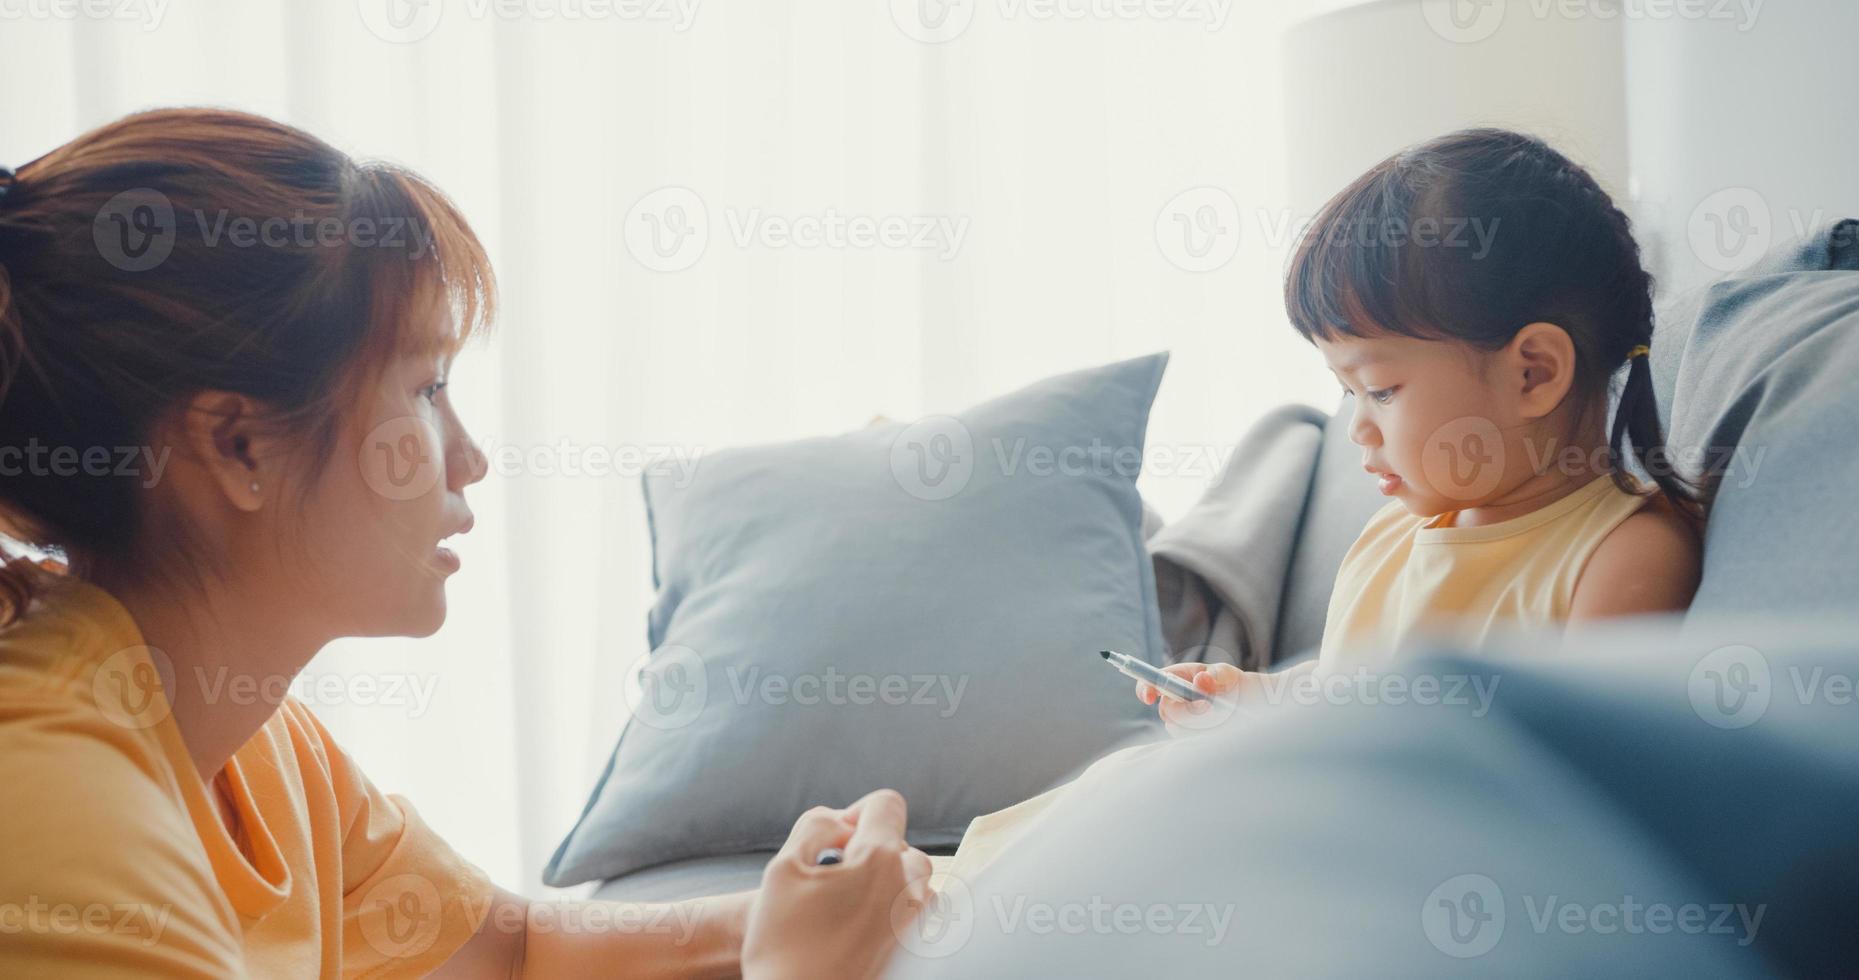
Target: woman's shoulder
x=66 y=616
x=74 y=649
x=96 y=816
x=81 y=694
x=80 y=751
x=94 y=820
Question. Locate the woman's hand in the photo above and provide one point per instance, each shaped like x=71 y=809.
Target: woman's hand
x=836 y=920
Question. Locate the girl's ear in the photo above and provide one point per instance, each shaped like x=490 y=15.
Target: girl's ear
x=1541 y=363
x=222 y=432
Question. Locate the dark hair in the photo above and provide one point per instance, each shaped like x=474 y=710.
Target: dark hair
x=98 y=343
x=1478 y=234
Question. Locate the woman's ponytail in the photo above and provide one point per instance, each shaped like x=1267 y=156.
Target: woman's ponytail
x=19 y=572
x=12 y=342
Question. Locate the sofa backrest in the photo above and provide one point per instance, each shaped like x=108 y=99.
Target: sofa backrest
x=1756 y=376
x=1341 y=500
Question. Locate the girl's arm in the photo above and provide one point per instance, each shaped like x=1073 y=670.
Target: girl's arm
x=1651 y=563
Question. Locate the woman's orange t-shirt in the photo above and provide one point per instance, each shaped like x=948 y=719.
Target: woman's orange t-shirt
x=114 y=858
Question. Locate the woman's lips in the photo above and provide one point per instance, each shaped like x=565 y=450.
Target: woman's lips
x=1388 y=483
x=446 y=558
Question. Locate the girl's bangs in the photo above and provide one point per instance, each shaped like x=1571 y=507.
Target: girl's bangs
x=1346 y=280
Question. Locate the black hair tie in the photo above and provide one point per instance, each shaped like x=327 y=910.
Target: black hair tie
x=7 y=180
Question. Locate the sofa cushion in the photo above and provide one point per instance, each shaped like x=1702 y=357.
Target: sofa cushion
x=918 y=607
x=693 y=878
x=1533 y=810
x=1220 y=569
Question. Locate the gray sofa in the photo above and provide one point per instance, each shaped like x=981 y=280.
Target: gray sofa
x=1755 y=381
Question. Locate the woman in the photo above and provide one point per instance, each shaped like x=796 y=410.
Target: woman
x=223 y=350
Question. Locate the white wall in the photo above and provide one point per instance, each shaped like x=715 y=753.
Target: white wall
x=1364 y=81
x=1723 y=126
x=1753 y=111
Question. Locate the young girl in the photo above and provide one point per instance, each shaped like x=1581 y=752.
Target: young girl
x=1480 y=365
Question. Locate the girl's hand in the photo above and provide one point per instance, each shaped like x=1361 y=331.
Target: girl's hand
x=836 y=920
x=1225 y=683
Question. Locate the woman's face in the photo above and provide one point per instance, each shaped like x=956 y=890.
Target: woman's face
x=382 y=507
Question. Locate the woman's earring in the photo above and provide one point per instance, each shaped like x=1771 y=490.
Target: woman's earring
x=254 y=486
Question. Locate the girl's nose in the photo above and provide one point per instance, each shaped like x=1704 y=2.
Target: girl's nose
x=1362 y=432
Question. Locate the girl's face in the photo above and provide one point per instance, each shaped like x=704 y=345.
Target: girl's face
x=1432 y=421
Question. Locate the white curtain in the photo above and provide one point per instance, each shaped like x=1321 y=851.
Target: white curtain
x=1092 y=180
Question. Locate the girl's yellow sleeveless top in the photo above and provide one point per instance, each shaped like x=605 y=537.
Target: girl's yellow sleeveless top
x=1406 y=573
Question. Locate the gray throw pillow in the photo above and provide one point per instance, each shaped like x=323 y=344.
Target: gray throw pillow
x=913 y=606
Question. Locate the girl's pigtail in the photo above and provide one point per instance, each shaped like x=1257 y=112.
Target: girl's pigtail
x=1637 y=420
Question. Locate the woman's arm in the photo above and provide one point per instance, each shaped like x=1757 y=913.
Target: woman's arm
x=524 y=939
x=806 y=921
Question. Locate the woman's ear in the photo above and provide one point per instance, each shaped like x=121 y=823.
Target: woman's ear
x=222 y=431
x=1542 y=365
